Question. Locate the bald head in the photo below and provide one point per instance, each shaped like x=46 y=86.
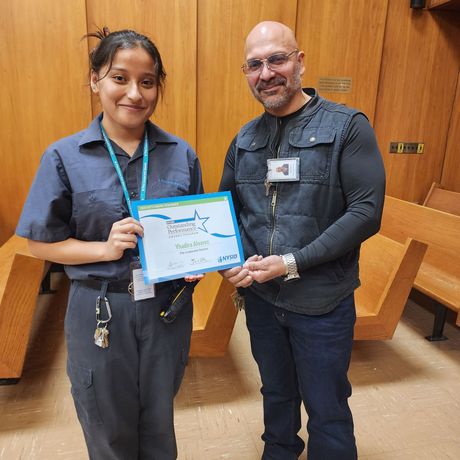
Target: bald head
x=275 y=78
x=270 y=33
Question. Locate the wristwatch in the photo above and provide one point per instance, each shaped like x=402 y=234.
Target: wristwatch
x=291 y=267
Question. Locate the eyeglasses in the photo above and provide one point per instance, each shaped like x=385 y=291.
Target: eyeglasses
x=274 y=62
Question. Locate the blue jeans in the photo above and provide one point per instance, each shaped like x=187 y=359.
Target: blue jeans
x=304 y=358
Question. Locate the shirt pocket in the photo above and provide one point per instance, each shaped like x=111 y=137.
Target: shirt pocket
x=95 y=211
x=251 y=157
x=169 y=187
x=314 y=147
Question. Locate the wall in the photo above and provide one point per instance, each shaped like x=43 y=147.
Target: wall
x=416 y=91
x=336 y=47
x=42 y=96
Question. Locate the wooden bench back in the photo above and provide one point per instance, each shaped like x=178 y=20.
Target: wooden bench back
x=20 y=277
x=387 y=273
x=439 y=276
x=443 y=200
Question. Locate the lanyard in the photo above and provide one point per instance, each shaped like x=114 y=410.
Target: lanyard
x=116 y=164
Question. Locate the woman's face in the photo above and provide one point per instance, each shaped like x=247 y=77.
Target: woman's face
x=128 y=91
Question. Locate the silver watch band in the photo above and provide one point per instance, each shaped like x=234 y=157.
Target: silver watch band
x=291 y=267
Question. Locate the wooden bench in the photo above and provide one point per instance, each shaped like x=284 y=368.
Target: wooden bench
x=388 y=270
x=439 y=274
x=20 y=278
x=443 y=200
x=387 y=273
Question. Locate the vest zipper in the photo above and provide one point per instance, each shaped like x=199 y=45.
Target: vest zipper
x=273 y=206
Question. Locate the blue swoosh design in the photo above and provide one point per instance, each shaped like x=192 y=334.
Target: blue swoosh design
x=219 y=235
x=158 y=216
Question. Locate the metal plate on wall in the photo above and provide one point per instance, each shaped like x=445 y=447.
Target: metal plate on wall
x=334 y=84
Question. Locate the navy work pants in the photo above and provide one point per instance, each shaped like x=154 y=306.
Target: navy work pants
x=304 y=358
x=124 y=394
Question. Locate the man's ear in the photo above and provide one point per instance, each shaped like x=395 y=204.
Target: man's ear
x=300 y=58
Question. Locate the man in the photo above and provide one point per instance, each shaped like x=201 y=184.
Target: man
x=301 y=233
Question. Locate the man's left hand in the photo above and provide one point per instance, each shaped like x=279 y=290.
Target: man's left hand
x=266 y=269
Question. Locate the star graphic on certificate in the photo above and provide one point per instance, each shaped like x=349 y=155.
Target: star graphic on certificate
x=200 y=221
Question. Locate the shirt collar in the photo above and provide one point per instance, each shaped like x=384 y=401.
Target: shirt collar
x=155 y=134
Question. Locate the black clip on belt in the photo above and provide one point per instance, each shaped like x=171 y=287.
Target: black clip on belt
x=180 y=297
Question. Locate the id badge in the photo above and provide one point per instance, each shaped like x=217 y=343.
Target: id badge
x=283 y=169
x=138 y=289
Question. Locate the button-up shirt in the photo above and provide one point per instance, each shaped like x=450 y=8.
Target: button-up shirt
x=77 y=194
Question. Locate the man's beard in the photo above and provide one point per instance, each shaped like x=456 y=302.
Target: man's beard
x=282 y=100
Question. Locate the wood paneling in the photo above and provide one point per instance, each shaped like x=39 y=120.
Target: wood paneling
x=451 y=168
x=43 y=95
x=224 y=100
x=416 y=89
x=343 y=38
x=171 y=25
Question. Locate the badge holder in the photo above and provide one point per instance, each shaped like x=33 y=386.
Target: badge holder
x=137 y=288
x=283 y=169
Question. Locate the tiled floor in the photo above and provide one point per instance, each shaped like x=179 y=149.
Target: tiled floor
x=406 y=400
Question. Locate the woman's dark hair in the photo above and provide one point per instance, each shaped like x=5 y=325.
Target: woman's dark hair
x=111 y=42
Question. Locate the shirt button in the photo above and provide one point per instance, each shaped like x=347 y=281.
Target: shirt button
x=133 y=194
x=312 y=139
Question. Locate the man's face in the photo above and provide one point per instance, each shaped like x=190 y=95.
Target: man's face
x=276 y=88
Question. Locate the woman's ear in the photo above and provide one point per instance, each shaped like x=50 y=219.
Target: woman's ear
x=93 y=83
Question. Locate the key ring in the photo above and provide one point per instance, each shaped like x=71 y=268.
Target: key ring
x=98 y=311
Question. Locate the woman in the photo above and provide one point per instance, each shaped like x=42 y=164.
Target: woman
x=125 y=365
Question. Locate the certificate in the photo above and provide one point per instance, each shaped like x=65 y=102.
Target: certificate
x=187 y=235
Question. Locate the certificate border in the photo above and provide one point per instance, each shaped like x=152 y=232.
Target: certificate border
x=204 y=196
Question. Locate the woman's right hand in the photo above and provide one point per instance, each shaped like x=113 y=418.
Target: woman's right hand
x=122 y=236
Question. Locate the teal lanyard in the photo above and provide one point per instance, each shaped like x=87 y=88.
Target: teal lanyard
x=145 y=167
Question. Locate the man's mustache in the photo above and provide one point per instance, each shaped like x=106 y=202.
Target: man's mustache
x=268 y=84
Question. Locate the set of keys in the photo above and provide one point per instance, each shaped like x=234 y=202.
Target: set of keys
x=267 y=186
x=101 y=335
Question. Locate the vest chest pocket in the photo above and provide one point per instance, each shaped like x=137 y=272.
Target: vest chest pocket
x=251 y=157
x=314 y=147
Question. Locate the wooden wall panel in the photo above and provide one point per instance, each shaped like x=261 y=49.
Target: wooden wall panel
x=224 y=99
x=172 y=27
x=451 y=168
x=416 y=91
x=43 y=95
x=343 y=38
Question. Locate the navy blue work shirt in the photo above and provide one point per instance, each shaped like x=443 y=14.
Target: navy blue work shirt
x=77 y=193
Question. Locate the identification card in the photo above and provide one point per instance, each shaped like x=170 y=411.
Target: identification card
x=138 y=289
x=283 y=169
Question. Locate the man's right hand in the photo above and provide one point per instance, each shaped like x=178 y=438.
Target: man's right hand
x=239 y=276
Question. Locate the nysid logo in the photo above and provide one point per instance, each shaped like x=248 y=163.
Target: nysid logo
x=227 y=258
